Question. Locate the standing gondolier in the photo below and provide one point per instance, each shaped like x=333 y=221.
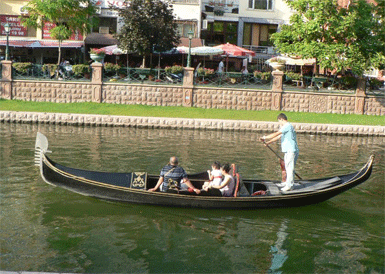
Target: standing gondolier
x=289 y=147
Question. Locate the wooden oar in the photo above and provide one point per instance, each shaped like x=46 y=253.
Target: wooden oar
x=279 y=157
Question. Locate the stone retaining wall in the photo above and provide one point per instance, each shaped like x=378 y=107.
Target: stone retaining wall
x=179 y=123
x=48 y=91
x=188 y=95
x=142 y=94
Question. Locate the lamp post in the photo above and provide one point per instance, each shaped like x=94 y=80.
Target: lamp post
x=7 y=29
x=190 y=36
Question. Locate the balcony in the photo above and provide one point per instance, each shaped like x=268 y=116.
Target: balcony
x=261 y=49
x=221 y=7
x=194 y=2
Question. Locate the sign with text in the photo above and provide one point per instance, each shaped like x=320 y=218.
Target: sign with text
x=107 y=4
x=17 y=29
x=77 y=36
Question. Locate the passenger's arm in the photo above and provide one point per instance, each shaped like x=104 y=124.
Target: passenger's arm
x=160 y=181
x=189 y=184
x=224 y=183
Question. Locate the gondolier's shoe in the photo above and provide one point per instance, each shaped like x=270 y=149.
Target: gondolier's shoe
x=281 y=184
x=286 y=188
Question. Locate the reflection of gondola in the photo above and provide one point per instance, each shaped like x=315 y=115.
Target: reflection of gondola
x=132 y=187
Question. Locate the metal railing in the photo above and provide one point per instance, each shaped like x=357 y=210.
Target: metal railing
x=220 y=7
x=39 y=72
x=185 y=1
x=234 y=80
x=375 y=87
x=143 y=76
x=320 y=83
x=261 y=49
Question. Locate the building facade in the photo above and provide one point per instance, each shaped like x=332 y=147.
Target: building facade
x=244 y=23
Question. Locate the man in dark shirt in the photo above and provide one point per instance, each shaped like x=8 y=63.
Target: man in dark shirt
x=173 y=174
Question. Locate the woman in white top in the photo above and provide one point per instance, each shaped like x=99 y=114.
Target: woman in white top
x=228 y=184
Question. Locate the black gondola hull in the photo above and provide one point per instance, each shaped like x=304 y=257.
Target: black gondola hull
x=117 y=187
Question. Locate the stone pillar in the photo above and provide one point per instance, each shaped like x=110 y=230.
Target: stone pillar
x=359 y=107
x=6 y=83
x=277 y=90
x=97 y=81
x=188 y=85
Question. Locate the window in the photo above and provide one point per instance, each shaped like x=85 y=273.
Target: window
x=261 y=4
x=184 y=28
x=220 y=32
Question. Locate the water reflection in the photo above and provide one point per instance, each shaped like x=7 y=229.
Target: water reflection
x=50 y=229
x=278 y=252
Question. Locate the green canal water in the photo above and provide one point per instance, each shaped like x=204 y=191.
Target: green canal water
x=49 y=229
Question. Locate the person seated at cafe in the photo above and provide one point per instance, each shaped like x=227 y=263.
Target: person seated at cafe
x=228 y=183
x=173 y=176
x=244 y=70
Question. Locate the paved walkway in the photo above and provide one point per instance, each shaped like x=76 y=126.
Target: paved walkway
x=183 y=123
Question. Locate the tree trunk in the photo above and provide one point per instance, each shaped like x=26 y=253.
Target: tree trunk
x=59 y=57
x=58 y=60
x=144 y=61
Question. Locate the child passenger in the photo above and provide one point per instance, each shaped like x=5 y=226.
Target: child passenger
x=215 y=175
x=227 y=185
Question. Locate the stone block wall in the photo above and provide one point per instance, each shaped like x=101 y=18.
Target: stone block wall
x=318 y=102
x=58 y=92
x=232 y=99
x=142 y=94
x=374 y=105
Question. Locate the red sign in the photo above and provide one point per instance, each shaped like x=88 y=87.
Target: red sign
x=76 y=35
x=17 y=29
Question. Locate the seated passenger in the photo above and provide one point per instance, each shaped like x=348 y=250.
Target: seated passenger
x=173 y=176
x=215 y=175
x=228 y=183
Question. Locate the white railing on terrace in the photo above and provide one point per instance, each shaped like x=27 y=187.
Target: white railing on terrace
x=185 y=1
x=261 y=49
x=220 y=8
x=371 y=73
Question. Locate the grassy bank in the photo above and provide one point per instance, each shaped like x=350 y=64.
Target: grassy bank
x=184 y=112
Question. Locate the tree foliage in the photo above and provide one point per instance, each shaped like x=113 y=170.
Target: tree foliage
x=67 y=15
x=148 y=25
x=338 y=37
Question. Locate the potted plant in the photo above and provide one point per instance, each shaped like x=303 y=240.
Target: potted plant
x=277 y=63
x=81 y=70
x=49 y=69
x=97 y=54
x=209 y=71
x=176 y=69
x=110 y=67
x=22 y=67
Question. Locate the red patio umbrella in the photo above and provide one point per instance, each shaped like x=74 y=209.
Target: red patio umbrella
x=234 y=50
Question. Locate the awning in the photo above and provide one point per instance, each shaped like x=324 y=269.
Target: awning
x=100 y=39
x=41 y=44
x=298 y=61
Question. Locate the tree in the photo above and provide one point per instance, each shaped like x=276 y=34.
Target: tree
x=66 y=15
x=148 y=25
x=338 y=37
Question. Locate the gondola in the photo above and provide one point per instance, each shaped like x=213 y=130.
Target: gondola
x=132 y=187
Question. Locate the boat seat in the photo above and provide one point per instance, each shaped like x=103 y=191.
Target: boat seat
x=272 y=188
x=312 y=186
